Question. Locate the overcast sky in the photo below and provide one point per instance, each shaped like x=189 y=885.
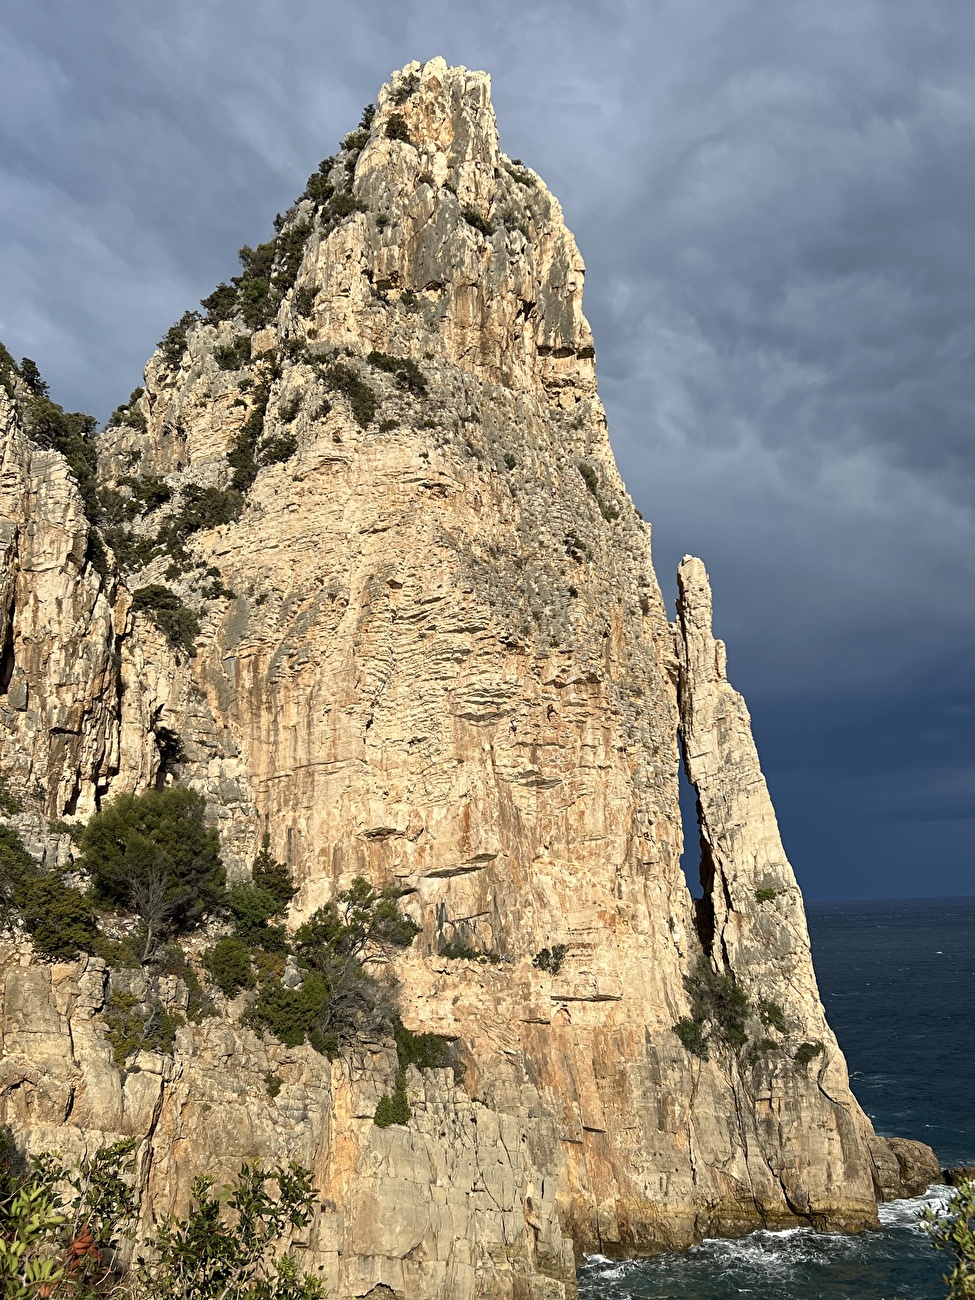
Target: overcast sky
x=775 y=200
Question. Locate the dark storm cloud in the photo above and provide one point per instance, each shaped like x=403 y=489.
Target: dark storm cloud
x=775 y=203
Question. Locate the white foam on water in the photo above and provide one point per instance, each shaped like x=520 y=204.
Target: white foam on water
x=909 y=1213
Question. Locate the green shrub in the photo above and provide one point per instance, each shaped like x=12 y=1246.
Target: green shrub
x=204 y=507
x=425 y=1052
x=952 y=1228
x=770 y=1013
x=591 y=480
x=304 y=300
x=455 y=951
x=806 y=1052
x=60 y=1232
x=177 y=622
x=59 y=918
x=765 y=895
x=253 y=908
x=396 y=128
x=272 y=1085
x=551 y=959
x=363 y=402
x=718 y=1000
x=356 y=141
x=272 y=876
x=393 y=1109
x=339 y=1001
x=72 y=434
x=343 y=205
x=229 y=964
x=407 y=87
x=233 y=355
x=131 y=1027
x=288 y=413
x=173 y=342
x=692 y=1035
x=408 y=374
x=220 y=305
x=474 y=218
x=154 y=855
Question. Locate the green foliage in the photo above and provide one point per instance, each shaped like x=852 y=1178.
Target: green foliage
x=551 y=959
x=356 y=141
x=228 y=1246
x=229 y=964
x=220 y=305
x=591 y=480
x=276 y=450
x=717 y=1000
x=474 y=218
x=273 y=877
x=288 y=413
x=407 y=87
x=304 y=300
x=204 y=507
x=408 y=374
x=807 y=1052
x=396 y=128
x=253 y=908
x=765 y=895
x=173 y=342
x=692 y=1035
x=73 y=435
x=153 y=854
x=272 y=1084
x=425 y=1052
x=455 y=951
x=8 y=372
x=362 y=399
x=9 y=803
x=135 y=1027
x=368 y=115
x=58 y=1227
x=770 y=1013
x=128 y=414
x=393 y=1109
x=59 y=918
x=233 y=355
x=953 y=1230
x=31 y=376
x=177 y=622
x=339 y=1001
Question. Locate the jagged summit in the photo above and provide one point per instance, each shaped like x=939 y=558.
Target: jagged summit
x=369 y=580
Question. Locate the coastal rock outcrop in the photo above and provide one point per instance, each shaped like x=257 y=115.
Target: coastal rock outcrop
x=430 y=650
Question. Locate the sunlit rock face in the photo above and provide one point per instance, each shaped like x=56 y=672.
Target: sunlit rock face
x=435 y=655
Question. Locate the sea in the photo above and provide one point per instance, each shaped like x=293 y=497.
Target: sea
x=898 y=982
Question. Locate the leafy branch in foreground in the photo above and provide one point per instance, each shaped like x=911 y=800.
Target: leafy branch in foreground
x=60 y=1231
x=954 y=1231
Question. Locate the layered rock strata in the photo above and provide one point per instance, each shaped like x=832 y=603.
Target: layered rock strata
x=436 y=656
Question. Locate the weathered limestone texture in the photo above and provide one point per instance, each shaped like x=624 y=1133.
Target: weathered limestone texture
x=437 y=657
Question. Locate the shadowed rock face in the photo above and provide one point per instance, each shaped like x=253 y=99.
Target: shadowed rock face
x=439 y=659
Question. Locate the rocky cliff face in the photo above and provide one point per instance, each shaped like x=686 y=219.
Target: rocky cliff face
x=432 y=652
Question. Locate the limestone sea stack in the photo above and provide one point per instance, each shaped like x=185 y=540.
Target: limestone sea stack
x=422 y=642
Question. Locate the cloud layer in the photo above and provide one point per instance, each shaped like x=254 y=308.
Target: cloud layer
x=775 y=204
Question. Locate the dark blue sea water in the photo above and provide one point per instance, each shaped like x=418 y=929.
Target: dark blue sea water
x=898 y=981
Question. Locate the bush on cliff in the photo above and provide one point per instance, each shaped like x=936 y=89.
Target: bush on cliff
x=153 y=855
x=58 y=917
